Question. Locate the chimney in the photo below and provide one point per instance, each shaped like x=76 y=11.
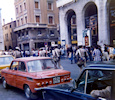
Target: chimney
x=3 y=21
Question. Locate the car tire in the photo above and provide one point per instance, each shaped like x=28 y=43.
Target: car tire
x=29 y=95
x=4 y=83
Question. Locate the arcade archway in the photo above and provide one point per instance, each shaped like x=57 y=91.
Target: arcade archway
x=71 y=26
x=91 y=21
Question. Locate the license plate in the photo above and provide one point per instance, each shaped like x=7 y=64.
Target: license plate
x=56 y=80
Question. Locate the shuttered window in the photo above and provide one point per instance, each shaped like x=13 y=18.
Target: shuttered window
x=38 y=19
x=49 y=6
x=26 y=19
x=36 y=4
x=24 y=6
x=22 y=21
x=50 y=20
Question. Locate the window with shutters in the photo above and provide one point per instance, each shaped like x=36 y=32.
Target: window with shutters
x=26 y=19
x=50 y=5
x=22 y=21
x=38 y=19
x=36 y=4
x=24 y=6
x=50 y=19
x=6 y=35
x=17 y=10
x=20 y=8
x=18 y=23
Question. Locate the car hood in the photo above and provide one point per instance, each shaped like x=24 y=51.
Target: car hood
x=4 y=66
x=50 y=73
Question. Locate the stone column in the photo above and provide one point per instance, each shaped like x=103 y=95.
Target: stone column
x=103 y=32
x=31 y=44
x=80 y=27
x=1 y=34
x=63 y=26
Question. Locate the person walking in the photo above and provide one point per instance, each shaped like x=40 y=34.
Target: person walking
x=42 y=53
x=33 y=52
x=27 y=53
x=96 y=54
x=17 y=53
x=56 y=53
x=80 y=55
x=70 y=50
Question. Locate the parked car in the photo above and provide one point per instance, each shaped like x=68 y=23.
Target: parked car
x=5 y=61
x=94 y=78
x=31 y=74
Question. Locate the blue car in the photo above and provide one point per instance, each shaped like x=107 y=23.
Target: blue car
x=92 y=84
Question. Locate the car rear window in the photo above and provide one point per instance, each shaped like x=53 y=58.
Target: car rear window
x=40 y=65
x=5 y=60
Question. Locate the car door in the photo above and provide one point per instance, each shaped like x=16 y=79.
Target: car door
x=10 y=77
x=60 y=94
x=21 y=75
x=94 y=79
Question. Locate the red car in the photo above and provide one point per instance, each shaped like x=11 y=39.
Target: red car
x=33 y=73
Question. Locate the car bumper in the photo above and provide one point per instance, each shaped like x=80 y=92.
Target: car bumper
x=60 y=86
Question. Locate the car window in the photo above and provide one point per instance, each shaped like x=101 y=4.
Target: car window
x=48 y=64
x=81 y=83
x=40 y=65
x=34 y=66
x=92 y=80
x=22 y=66
x=14 y=65
x=6 y=60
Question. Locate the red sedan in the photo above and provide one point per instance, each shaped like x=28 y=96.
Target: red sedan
x=33 y=73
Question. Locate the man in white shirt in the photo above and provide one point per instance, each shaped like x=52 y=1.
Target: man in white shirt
x=80 y=53
x=56 y=55
x=42 y=53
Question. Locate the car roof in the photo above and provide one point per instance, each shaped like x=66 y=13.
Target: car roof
x=106 y=65
x=30 y=58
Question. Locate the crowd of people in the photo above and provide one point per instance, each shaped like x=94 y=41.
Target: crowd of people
x=76 y=54
x=53 y=52
x=81 y=54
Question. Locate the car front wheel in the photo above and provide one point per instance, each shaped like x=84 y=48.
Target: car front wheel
x=28 y=93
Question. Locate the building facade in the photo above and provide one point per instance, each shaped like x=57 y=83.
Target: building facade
x=37 y=23
x=10 y=38
x=97 y=16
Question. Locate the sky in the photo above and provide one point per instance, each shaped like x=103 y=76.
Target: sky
x=7 y=11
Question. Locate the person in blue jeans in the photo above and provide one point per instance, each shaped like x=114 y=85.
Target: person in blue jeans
x=70 y=54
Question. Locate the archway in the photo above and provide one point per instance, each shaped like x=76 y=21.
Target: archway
x=71 y=25
x=91 y=21
x=112 y=22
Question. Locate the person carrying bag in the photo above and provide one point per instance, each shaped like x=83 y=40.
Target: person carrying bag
x=80 y=55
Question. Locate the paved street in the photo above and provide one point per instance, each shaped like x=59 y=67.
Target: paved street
x=17 y=94
x=73 y=68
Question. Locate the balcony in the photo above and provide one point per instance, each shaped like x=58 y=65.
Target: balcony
x=30 y=25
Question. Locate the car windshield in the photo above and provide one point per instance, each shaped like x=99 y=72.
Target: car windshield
x=40 y=65
x=5 y=60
